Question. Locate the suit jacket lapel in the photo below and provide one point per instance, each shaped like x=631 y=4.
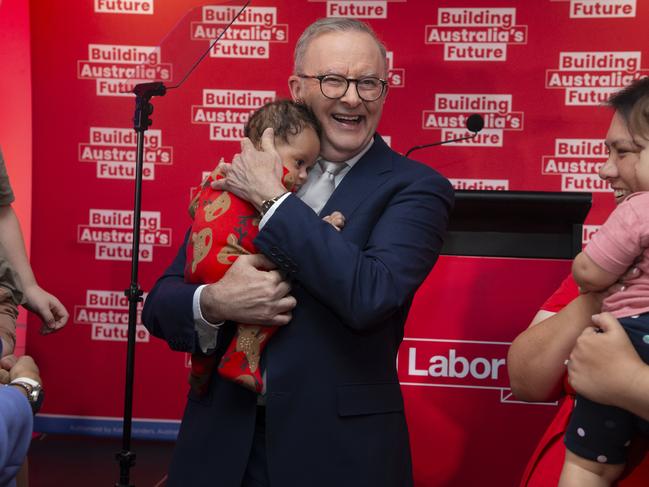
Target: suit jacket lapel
x=372 y=170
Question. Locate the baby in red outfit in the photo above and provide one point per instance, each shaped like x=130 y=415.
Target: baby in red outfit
x=225 y=226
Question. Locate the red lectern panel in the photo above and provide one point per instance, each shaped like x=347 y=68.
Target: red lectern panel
x=465 y=426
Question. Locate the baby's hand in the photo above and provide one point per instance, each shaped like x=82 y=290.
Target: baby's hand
x=336 y=219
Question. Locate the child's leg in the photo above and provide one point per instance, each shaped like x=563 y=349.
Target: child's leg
x=8 y=315
x=598 y=436
x=596 y=441
x=201 y=371
x=241 y=361
x=580 y=472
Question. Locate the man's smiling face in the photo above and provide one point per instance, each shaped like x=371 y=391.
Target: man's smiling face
x=348 y=123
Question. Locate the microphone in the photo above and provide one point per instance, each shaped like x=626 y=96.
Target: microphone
x=474 y=123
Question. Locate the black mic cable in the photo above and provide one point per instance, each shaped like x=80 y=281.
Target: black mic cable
x=474 y=123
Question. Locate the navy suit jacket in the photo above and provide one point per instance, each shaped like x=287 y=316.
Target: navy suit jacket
x=334 y=413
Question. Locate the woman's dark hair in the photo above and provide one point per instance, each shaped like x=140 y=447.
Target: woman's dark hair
x=624 y=100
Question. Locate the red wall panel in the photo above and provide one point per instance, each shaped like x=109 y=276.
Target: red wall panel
x=538 y=72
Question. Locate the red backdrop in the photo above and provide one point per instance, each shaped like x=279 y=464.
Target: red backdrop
x=16 y=119
x=538 y=71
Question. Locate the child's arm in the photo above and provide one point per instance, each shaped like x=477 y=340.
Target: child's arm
x=336 y=219
x=589 y=276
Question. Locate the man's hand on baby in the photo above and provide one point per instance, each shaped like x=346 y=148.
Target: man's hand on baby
x=252 y=291
x=336 y=219
x=254 y=175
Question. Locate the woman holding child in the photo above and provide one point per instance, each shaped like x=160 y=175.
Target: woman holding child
x=563 y=329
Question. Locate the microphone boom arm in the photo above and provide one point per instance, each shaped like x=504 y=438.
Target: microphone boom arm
x=474 y=123
x=417 y=147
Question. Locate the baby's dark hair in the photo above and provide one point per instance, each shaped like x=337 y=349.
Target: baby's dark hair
x=285 y=117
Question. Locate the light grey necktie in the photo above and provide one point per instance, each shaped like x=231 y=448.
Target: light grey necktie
x=317 y=194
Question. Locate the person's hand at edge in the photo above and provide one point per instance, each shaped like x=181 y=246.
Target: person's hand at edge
x=48 y=308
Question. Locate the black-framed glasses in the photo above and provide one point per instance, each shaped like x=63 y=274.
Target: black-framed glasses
x=334 y=86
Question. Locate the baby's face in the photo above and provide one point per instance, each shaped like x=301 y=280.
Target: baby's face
x=298 y=156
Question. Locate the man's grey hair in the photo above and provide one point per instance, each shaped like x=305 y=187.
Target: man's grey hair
x=332 y=24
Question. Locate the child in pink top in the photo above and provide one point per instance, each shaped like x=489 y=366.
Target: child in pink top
x=598 y=435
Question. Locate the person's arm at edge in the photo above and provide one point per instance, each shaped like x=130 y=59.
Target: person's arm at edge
x=11 y=238
x=536 y=357
x=39 y=301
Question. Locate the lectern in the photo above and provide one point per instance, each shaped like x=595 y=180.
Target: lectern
x=506 y=252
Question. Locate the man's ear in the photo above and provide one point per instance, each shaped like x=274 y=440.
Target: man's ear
x=387 y=86
x=295 y=87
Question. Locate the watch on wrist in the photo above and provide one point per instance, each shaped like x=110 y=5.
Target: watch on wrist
x=35 y=393
x=266 y=204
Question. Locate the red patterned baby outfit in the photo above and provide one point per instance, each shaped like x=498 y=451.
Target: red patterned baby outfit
x=224 y=228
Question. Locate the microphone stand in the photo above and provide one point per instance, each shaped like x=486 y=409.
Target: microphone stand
x=141 y=122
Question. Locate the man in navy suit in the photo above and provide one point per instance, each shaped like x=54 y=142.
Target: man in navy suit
x=332 y=411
